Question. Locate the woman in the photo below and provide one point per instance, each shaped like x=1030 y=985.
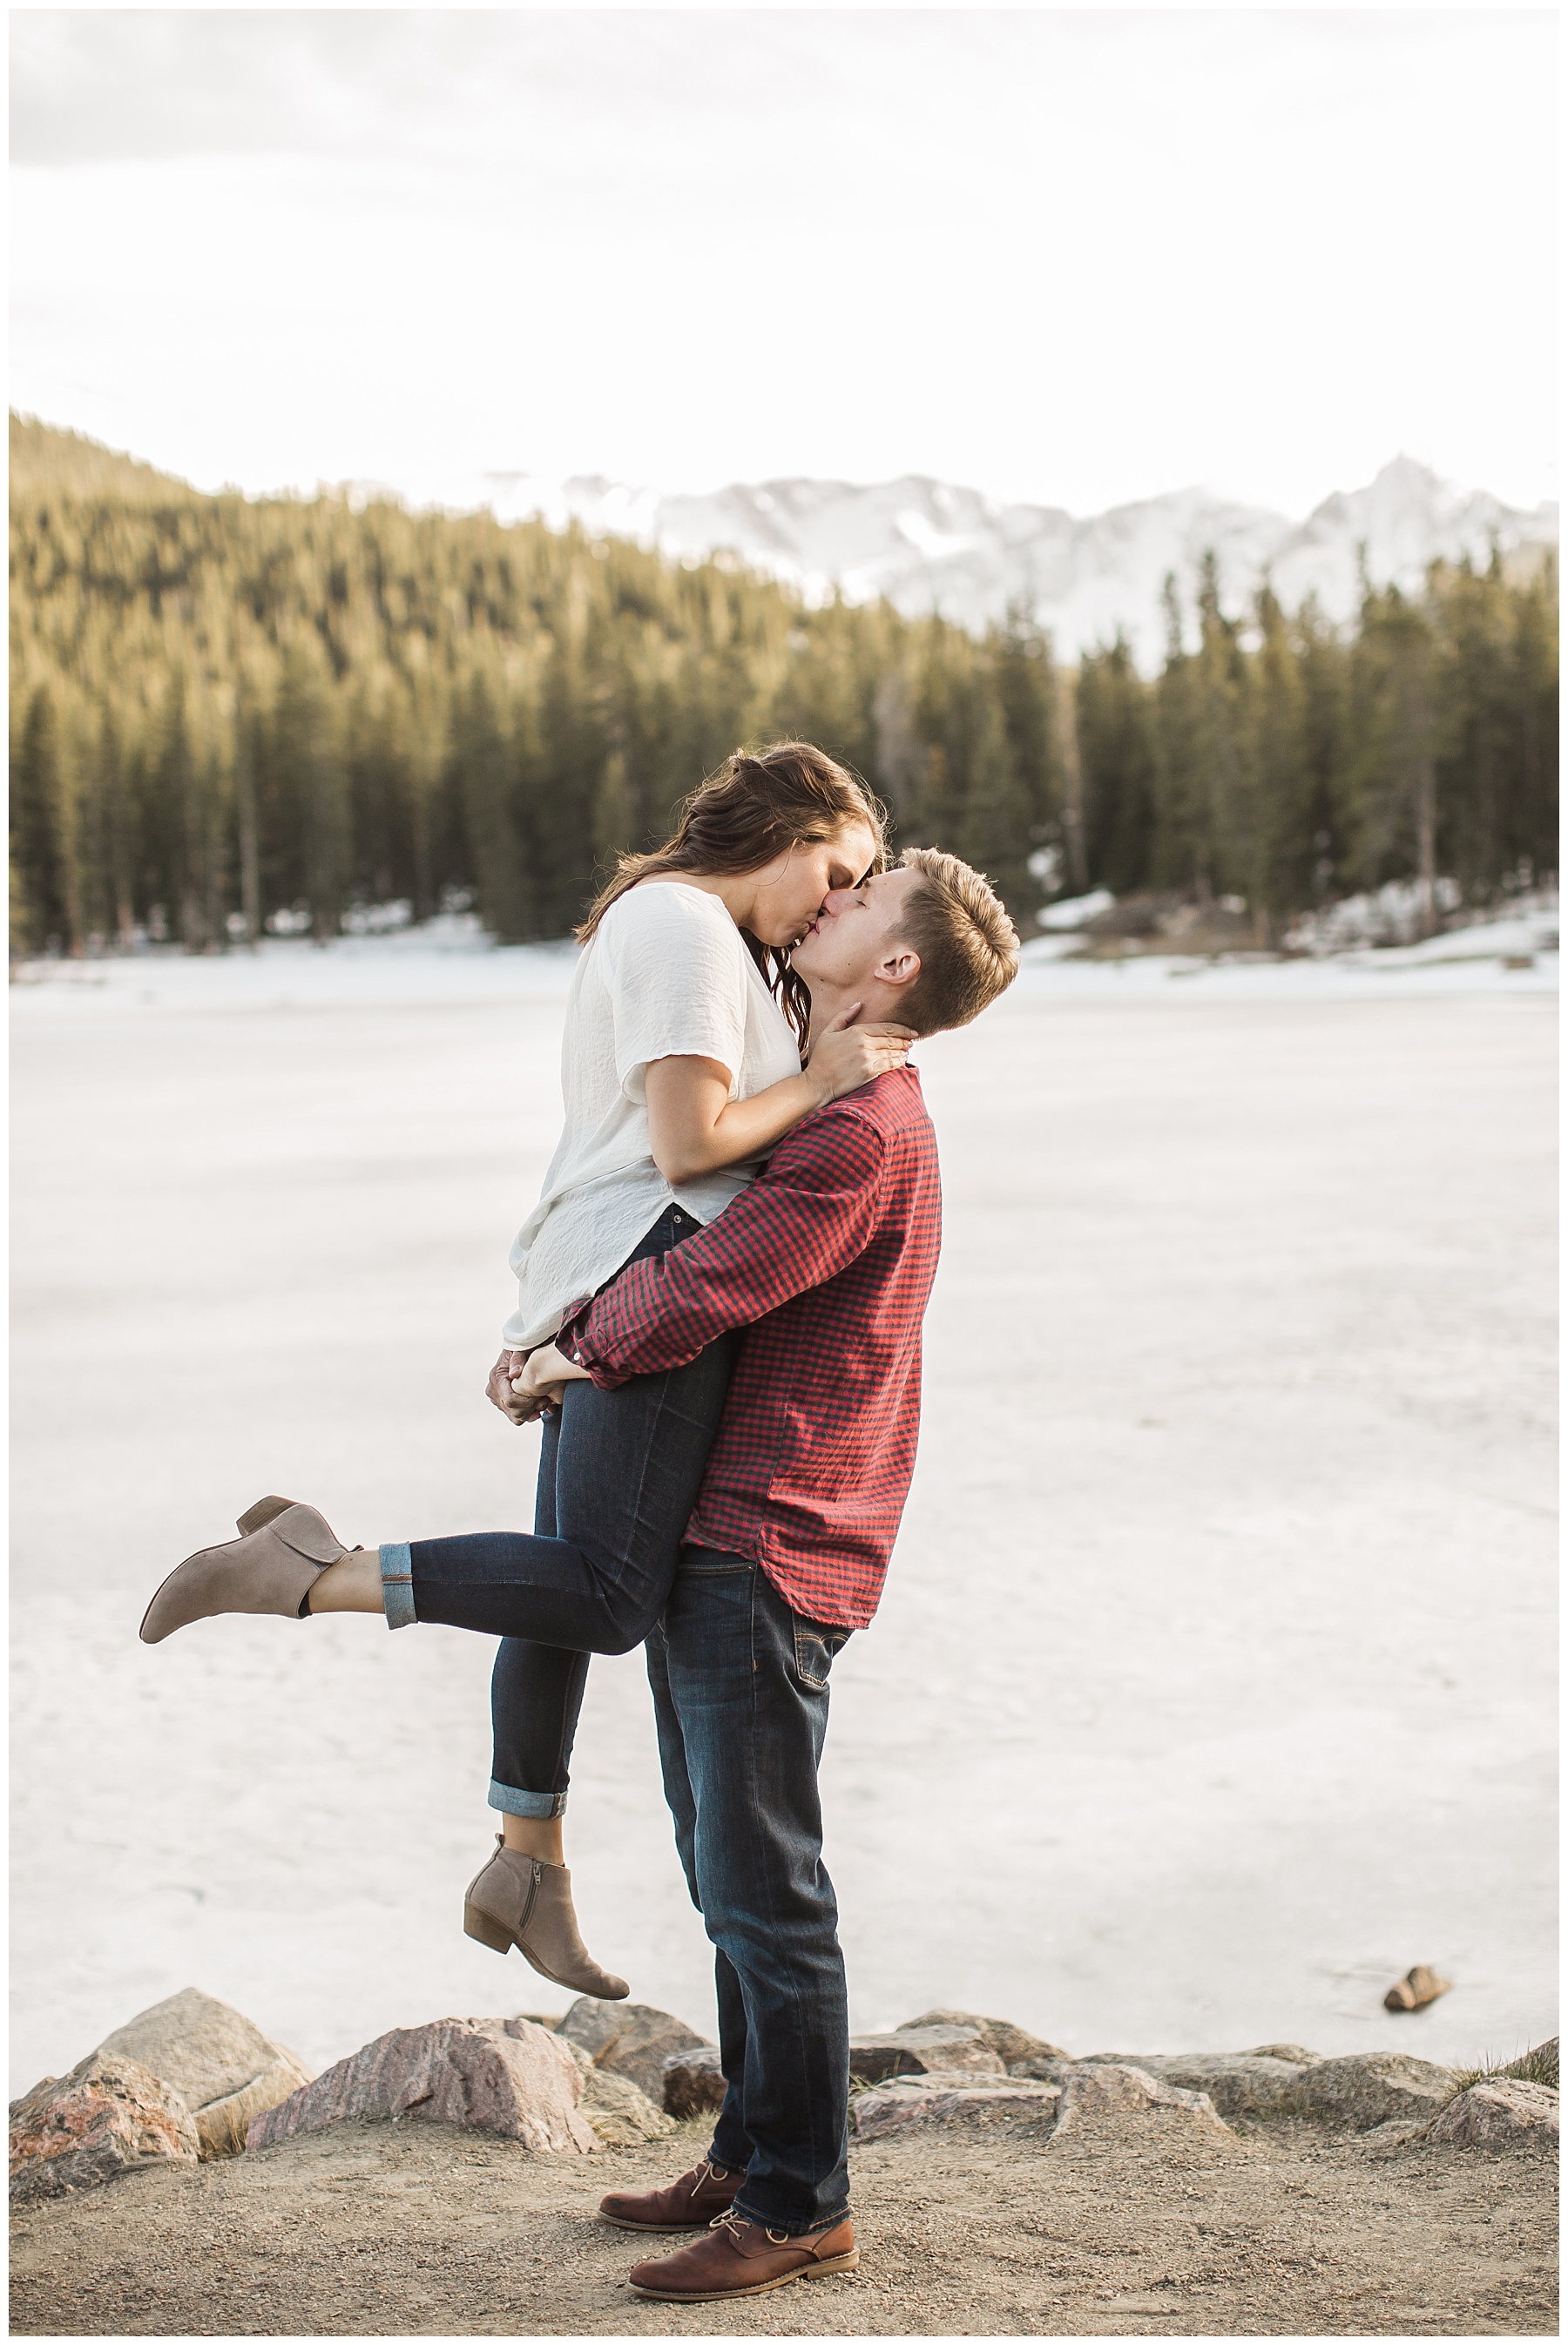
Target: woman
x=680 y=1070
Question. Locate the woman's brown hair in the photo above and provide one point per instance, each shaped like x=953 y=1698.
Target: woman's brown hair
x=755 y=807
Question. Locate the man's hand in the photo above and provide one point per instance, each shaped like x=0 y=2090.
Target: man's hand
x=539 y=1385
x=844 y=1056
x=498 y=1389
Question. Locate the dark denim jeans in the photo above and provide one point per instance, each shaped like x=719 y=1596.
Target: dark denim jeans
x=618 y=1477
x=741 y=1698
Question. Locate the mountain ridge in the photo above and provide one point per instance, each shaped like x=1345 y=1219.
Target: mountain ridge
x=928 y=546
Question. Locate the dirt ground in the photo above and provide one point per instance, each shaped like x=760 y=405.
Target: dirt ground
x=423 y=2229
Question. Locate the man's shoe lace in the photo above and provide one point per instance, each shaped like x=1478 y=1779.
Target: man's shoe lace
x=735 y=2224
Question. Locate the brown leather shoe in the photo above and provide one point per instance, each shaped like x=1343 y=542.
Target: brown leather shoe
x=739 y=2257
x=283 y=1550
x=526 y=1901
x=688 y=2204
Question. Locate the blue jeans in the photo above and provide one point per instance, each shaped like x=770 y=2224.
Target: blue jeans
x=741 y=1701
x=618 y=1477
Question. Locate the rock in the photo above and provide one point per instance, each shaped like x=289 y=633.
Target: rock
x=1239 y=2084
x=1365 y=2089
x=77 y=2132
x=223 y=2068
x=1297 y=2051
x=693 y=2081
x=619 y=2111
x=1102 y=2103
x=223 y=2125
x=1416 y=1989
x=1391 y=2135
x=1500 y=2112
x=910 y=2051
x=1049 y=2072
x=1133 y=916
x=500 y=2076
x=1009 y=2043
x=959 y=2097
x=631 y=2039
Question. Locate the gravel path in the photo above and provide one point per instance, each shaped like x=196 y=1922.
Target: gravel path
x=426 y=2231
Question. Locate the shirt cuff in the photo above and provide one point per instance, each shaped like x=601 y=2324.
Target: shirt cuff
x=569 y=1339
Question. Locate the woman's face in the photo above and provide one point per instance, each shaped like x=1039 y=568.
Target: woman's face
x=791 y=890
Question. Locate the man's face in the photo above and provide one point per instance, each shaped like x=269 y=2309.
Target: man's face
x=856 y=933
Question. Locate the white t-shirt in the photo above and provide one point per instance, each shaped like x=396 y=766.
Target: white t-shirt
x=667 y=975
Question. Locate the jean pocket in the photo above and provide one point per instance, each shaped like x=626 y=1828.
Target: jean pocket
x=817 y=1648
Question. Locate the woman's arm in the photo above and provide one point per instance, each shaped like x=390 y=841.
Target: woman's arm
x=695 y=1126
x=811 y=1212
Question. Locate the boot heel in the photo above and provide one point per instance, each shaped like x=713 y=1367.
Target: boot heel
x=265 y=1510
x=489 y=1932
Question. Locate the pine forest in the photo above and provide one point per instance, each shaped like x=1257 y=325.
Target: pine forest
x=230 y=714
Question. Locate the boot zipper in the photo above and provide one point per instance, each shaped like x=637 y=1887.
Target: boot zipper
x=533 y=1894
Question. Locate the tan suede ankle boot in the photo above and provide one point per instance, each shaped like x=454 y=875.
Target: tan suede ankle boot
x=270 y=1567
x=525 y=1902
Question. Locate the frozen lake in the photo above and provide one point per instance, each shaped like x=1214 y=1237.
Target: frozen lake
x=1213 y=1685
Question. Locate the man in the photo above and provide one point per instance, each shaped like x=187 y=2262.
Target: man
x=827 y=1261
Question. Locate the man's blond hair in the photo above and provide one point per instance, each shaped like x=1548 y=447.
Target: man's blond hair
x=968 y=947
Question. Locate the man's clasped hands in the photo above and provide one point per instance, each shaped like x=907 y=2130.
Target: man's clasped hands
x=525 y=1385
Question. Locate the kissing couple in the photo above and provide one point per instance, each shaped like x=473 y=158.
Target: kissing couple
x=720 y=1293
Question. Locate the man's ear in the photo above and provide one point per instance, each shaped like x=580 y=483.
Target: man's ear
x=902 y=966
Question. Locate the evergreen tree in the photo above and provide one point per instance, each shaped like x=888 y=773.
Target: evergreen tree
x=1283 y=851
x=1026 y=686
x=1115 y=747
x=1180 y=855
x=39 y=847
x=1319 y=850
x=1226 y=803
x=1390 y=773
x=483 y=775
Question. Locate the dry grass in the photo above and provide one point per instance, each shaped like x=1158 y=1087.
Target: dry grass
x=1537 y=2066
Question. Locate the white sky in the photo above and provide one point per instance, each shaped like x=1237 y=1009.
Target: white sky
x=1074 y=256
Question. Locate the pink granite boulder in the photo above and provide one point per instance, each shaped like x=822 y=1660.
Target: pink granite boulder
x=499 y=2075
x=1500 y=2112
x=916 y=2051
x=77 y=2132
x=1106 y=2103
x=1005 y=2038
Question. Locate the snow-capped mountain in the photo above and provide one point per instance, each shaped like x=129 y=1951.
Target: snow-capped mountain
x=927 y=546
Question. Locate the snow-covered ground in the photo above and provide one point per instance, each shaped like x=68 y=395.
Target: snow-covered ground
x=1213 y=1685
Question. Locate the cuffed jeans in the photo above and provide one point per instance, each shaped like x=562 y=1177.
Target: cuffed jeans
x=618 y=1477
x=741 y=1701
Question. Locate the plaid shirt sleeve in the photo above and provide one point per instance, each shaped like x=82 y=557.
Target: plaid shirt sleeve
x=807 y=1216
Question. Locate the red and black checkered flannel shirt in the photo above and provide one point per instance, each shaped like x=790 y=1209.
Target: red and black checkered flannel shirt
x=827 y=1260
